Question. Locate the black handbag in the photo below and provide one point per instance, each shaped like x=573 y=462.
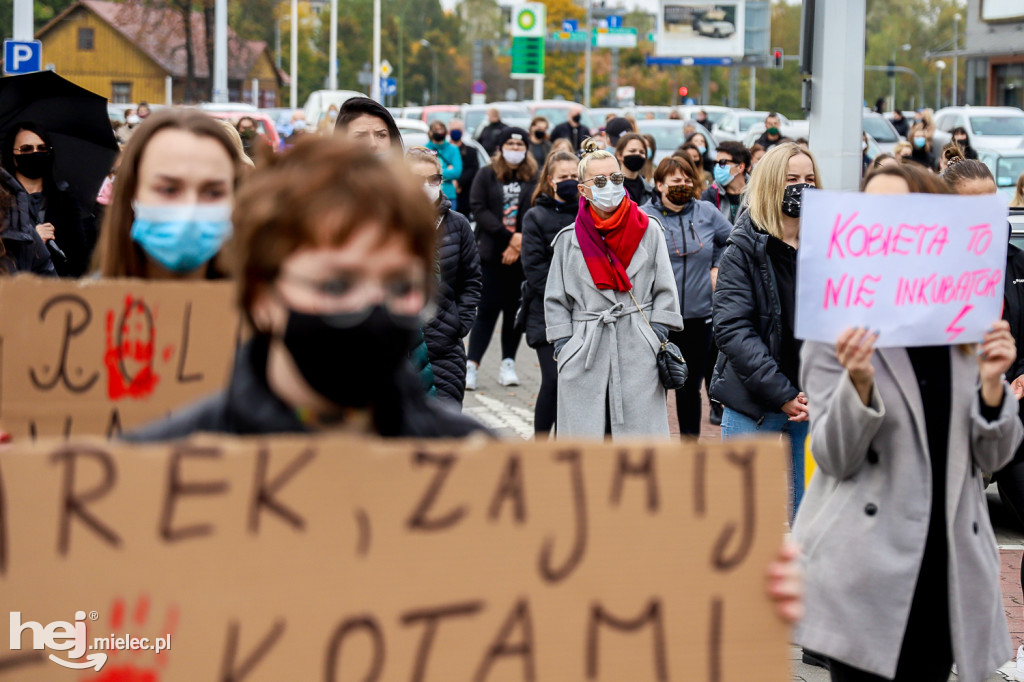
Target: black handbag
x=672 y=367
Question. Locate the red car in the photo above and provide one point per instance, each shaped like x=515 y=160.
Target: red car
x=264 y=125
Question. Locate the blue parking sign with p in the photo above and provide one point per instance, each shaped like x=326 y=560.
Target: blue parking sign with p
x=22 y=56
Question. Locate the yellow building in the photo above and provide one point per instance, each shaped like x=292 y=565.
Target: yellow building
x=126 y=51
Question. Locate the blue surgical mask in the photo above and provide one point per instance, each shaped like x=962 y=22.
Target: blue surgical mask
x=609 y=197
x=919 y=142
x=181 y=237
x=701 y=149
x=722 y=175
x=456 y=135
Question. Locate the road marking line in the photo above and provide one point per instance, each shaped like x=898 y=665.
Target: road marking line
x=497 y=414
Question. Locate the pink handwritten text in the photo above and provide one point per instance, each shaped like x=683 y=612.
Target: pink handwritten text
x=854 y=240
x=933 y=289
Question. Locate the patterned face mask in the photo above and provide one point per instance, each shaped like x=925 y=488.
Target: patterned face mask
x=793 y=199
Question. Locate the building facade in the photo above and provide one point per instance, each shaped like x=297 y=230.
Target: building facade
x=994 y=52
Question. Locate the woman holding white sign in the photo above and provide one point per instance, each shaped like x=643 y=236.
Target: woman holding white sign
x=756 y=376
x=901 y=562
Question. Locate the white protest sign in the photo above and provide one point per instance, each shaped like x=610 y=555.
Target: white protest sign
x=923 y=269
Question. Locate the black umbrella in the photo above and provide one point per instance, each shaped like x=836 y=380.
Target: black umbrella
x=77 y=121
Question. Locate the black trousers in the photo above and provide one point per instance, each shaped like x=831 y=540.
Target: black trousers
x=500 y=296
x=695 y=343
x=546 y=410
x=1010 y=481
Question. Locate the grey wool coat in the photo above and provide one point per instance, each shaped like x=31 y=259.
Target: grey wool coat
x=610 y=358
x=864 y=519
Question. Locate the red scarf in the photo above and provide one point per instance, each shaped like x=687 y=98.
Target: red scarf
x=609 y=244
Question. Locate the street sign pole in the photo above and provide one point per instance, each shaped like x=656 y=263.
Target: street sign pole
x=332 y=69
x=294 y=59
x=23 y=20
x=538 y=88
x=375 y=85
x=220 y=51
x=586 y=69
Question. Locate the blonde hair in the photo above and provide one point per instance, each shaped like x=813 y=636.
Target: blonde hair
x=236 y=139
x=1018 y=196
x=423 y=155
x=768 y=186
x=900 y=146
x=591 y=151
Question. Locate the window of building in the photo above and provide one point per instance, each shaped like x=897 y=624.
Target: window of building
x=1009 y=85
x=122 y=93
x=85 y=38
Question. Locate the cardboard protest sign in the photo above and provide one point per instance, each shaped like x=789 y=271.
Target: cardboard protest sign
x=345 y=559
x=924 y=269
x=96 y=357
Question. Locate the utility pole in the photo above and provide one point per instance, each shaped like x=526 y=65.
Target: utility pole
x=586 y=72
x=753 y=88
x=956 y=49
x=375 y=81
x=294 y=65
x=220 y=51
x=24 y=28
x=332 y=69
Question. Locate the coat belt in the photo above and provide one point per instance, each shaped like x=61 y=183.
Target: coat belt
x=607 y=318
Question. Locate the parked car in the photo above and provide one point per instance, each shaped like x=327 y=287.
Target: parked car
x=879 y=128
x=668 y=136
x=472 y=114
x=414 y=132
x=714 y=111
x=660 y=113
x=1006 y=166
x=319 y=101
x=1016 y=219
x=987 y=127
x=396 y=112
x=265 y=126
x=714 y=25
x=733 y=125
x=557 y=111
x=600 y=114
x=792 y=130
x=439 y=112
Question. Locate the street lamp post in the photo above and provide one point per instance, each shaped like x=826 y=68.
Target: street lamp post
x=293 y=100
x=939 y=66
x=892 y=80
x=433 y=58
x=956 y=48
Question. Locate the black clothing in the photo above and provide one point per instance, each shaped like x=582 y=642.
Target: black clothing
x=487 y=199
x=546 y=410
x=56 y=205
x=501 y=287
x=248 y=407
x=728 y=204
x=540 y=225
x=575 y=134
x=783 y=258
x=489 y=136
x=768 y=144
x=970 y=152
x=637 y=190
x=1010 y=479
x=902 y=126
x=748 y=327
x=922 y=156
x=23 y=249
x=458 y=293
x=470 y=167
x=540 y=150
x=694 y=342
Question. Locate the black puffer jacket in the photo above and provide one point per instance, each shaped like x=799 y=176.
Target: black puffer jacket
x=249 y=407
x=488 y=202
x=24 y=251
x=540 y=225
x=748 y=327
x=458 y=293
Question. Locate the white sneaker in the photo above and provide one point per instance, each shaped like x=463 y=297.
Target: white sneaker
x=470 y=376
x=507 y=374
x=1019 y=675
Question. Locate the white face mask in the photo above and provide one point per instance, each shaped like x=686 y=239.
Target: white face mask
x=513 y=157
x=609 y=197
x=133 y=120
x=433 y=193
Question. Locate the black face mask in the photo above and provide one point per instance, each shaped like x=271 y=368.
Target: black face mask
x=568 y=190
x=793 y=199
x=634 y=162
x=576 y=118
x=247 y=134
x=344 y=357
x=540 y=134
x=437 y=137
x=35 y=165
x=678 y=194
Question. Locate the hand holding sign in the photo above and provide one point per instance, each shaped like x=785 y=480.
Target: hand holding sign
x=923 y=269
x=995 y=356
x=854 y=350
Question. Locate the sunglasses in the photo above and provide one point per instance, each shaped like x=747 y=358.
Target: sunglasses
x=433 y=180
x=723 y=163
x=602 y=180
x=29 y=148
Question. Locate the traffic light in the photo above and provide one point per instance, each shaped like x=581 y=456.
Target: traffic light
x=777 y=57
x=683 y=91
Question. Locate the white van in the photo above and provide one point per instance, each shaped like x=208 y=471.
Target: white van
x=321 y=100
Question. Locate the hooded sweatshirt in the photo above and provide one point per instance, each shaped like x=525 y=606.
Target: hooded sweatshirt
x=355 y=107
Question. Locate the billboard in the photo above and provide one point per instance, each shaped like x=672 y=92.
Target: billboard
x=691 y=28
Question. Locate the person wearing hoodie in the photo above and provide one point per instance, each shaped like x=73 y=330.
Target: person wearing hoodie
x=449 y=157
x=695 y=234
x=363 y=121
x=757 y=374
x=23 y=249
x=731 y=173
x=489 y=136
x=960 y=137
x=458 y=283
x=555 y=203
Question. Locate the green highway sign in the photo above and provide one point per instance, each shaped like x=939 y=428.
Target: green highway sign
x=600 y=37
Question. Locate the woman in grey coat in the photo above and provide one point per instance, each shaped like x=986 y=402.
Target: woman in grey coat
x=901 y=564
x=610 y=298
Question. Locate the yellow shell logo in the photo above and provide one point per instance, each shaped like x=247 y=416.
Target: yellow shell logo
x=527 y=19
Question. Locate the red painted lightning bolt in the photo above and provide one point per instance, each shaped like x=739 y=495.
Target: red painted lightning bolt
x=952 y=329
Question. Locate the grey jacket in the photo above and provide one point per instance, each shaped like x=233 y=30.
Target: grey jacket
x=864 y=519
x=610 y=359
x=701 y=231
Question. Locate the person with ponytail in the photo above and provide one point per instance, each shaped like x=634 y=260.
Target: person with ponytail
x=696 y=233
x=609 y=302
